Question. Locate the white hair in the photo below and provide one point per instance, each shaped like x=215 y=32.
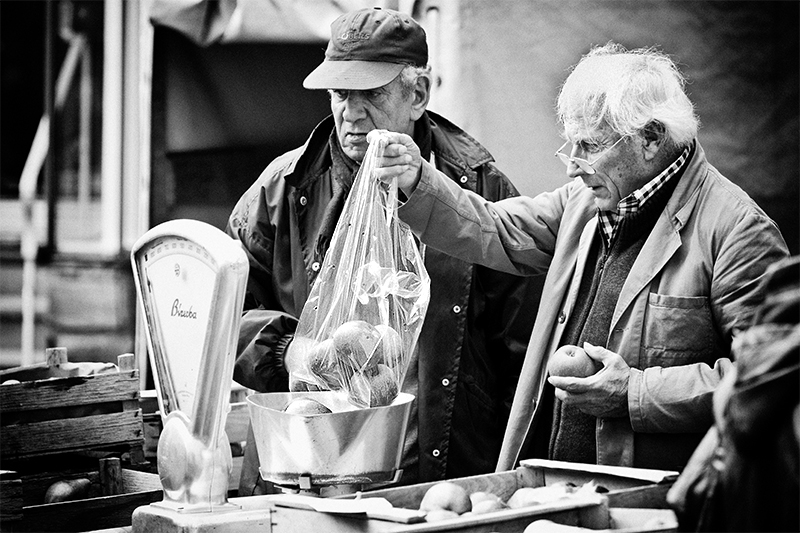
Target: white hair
x=626 y=92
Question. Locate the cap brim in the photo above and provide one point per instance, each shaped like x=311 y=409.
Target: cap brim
x=352 y=75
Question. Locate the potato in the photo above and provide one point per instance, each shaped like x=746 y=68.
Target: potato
x=447 y=496
x=571 y=361
x=356 y=344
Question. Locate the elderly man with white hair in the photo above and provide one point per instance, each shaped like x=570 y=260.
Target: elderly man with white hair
x=653 y=262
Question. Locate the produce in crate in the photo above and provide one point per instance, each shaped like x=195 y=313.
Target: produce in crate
x=447 y=496
x=486 y=502
x=66 y=490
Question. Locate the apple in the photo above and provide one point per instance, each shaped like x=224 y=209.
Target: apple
x=391 y=346
x=324 y=364
x=356 y=343
x=488 y=506
x=526 y=496
x=448 y=496
x=485 y=502
x=306 y=407
x=571 y=361
x=374 y=387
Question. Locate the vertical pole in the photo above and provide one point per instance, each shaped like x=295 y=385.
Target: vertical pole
x=111 y=219
x=50 y=166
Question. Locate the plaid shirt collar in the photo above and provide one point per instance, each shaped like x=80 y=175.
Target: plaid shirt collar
x=609 y=220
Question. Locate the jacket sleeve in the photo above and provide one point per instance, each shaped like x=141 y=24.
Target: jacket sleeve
x=266 y=330
x=515 y=235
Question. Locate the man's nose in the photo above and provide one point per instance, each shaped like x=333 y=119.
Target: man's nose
x=573 y=169
x=353 y=107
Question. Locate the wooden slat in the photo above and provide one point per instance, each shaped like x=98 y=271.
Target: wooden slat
x=84 y=515
x=61 y=392
x=135 y=481
x=20 y=440
x=10 y=496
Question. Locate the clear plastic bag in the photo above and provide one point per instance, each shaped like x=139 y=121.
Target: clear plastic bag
x=360 y=324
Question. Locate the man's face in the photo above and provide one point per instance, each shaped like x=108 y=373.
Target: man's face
x=356 y=113
x=618 y=168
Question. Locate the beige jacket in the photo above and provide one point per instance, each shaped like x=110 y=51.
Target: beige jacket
x=693 y=286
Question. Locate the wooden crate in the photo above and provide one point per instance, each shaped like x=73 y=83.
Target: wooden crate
x=60 y=407
x=114 y=493
x=632 y=494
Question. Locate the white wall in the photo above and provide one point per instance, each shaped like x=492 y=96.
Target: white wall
x=502 y=61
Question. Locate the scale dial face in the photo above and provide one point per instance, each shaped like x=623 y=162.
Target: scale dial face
x=179 y=280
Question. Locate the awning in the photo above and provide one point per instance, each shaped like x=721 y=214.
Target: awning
x=236 y=21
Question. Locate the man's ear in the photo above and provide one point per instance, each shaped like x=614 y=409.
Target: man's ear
x=654 y=135
x=420 y=97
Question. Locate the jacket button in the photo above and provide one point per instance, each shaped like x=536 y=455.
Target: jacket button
x=445 y=382
x=303 y=200
x=436 y=453
x=463 y=179
x=315 y=266
x=456 y=309
x=561 y=318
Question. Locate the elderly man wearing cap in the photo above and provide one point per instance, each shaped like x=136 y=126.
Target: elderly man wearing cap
x=471 y=347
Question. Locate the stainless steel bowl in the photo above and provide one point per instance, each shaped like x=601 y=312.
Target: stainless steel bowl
x=348 y=446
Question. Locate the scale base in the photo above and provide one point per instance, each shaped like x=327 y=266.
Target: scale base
x=251 y=513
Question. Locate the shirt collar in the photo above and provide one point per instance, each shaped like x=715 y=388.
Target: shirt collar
x=609 y=220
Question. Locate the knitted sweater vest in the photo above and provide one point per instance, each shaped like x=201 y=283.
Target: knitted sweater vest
x=572 y=436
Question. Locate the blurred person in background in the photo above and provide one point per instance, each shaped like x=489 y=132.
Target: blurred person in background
x=473 y=341
x=654 y=263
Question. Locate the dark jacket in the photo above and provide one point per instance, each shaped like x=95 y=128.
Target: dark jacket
x=476 y=330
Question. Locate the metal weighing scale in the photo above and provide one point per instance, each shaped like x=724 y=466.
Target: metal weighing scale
x=190 y=279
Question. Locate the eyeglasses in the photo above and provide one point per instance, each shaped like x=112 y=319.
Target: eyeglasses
x=583 y=164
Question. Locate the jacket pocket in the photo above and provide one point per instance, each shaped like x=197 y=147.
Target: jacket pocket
x=678 y=331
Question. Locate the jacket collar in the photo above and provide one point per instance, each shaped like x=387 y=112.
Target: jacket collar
x=453 y=144
x=681 y=203
x=449 y=142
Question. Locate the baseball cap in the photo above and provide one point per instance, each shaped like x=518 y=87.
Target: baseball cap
x=368 y=49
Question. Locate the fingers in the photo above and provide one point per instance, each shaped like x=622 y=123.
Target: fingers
x=568 y=384
x=598 y=353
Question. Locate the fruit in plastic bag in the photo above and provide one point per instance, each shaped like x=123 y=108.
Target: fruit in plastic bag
x=323 y=364
x=390 y=347
x=355 y=342
x=375 y=387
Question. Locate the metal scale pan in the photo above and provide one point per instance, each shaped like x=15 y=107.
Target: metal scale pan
x=350 y=446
